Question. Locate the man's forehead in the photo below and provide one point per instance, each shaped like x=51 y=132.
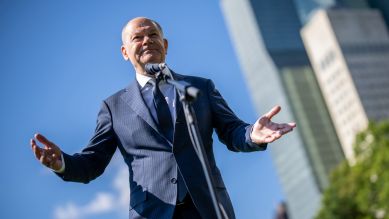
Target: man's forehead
x=145 y=23
x=142 y=26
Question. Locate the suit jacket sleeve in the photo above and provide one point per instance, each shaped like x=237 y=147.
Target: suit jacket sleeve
x=231 y=131
x=92 y=161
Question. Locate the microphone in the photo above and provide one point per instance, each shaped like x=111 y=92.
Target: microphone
x=161 y=70
x=154 y=68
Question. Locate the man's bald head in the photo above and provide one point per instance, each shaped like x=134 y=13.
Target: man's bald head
x=143 y=43
x=126 y=29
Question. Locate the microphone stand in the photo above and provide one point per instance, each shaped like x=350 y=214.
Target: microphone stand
x=188 y=94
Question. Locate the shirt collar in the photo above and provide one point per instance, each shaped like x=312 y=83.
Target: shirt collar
x=142 y=79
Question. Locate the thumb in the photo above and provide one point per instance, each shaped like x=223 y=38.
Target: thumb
x=36 y=149
x=261 y=121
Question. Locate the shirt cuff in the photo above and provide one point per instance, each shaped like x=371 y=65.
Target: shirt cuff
x=249 y=142
x=62 y=170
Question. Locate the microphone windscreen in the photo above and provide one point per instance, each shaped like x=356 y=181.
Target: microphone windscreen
x=152 y=68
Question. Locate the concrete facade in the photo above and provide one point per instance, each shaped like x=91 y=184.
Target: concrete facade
x=349 y=51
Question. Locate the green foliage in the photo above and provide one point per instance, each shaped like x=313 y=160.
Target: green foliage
x=361 y=190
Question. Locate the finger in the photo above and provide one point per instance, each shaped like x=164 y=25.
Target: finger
x=42 y=139
x=273 y=137
x=49 y=161
x=293 y=124
x=273 y=112
x=36 y=149
x=285 y=129
x=46 y=159
x=270 y=139
x=285 y=125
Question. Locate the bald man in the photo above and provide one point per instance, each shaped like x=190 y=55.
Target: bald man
x=166 y=179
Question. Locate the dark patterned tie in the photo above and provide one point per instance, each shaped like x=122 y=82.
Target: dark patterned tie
x=163 y=112
x=166 y=126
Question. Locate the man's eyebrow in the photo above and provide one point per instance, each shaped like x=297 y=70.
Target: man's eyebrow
x=135 y=33
x=147 y=31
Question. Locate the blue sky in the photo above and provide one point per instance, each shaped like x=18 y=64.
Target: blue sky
x=60 y=59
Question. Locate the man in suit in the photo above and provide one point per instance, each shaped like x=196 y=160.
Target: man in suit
x=146 y=122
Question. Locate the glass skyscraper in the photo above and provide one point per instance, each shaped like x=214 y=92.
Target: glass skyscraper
x=266 y=35
x=382 y=6
x=305 y=8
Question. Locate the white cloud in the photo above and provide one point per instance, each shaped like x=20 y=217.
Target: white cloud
x=69 y=211
x=103 y=202
x=120 y=183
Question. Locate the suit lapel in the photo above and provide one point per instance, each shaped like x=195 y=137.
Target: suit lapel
x=180 y=117
x=180 y=129
x=134 y=99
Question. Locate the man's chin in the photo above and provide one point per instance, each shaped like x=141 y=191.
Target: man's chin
x=151 y=59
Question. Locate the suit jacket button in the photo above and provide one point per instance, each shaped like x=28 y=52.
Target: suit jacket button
x=173 y=180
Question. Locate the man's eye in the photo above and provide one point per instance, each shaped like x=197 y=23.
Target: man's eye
x=136 y=38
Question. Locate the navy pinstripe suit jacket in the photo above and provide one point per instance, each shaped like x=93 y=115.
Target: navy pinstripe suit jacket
x=125 y=122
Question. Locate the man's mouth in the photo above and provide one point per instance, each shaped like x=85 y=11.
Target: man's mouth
x=148 y=51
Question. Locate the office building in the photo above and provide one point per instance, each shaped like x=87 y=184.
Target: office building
x=273 y=58
x=349 y=51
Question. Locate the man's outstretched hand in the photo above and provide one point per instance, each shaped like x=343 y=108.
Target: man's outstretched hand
x=266 y=131
x=49 y=155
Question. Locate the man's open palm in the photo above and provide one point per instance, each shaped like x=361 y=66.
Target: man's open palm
x=266 y=131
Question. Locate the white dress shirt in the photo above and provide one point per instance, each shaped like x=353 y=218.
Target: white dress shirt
x=167 y=90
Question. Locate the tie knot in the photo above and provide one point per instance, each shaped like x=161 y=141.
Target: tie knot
x=152 y=81
x=155 y=81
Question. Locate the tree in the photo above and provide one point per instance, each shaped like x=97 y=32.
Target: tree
x=361 y=190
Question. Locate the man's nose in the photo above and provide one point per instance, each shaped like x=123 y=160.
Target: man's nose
x=147 y=40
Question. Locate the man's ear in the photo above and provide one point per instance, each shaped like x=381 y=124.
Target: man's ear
x=166 y=44
x=124 y=52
